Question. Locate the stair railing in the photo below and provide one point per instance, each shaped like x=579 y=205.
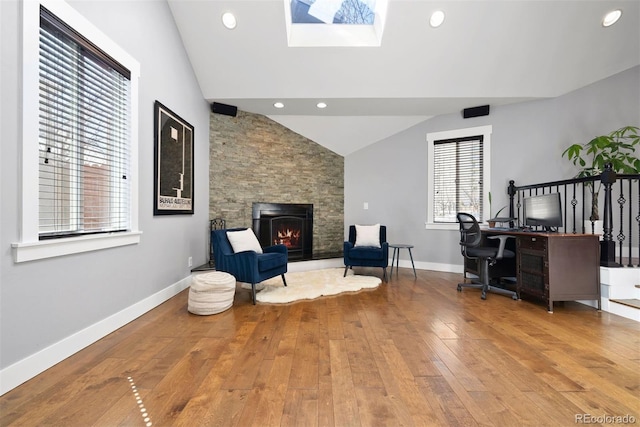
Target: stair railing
x=576 y=204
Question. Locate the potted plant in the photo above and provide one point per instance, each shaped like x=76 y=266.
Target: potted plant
x=617 y=148
x=491 y=221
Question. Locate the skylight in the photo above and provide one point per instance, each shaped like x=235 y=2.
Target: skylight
x=333 y=11
x=335 y=22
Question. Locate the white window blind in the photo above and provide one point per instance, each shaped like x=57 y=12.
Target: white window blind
x=458 y=178
x=84 y=142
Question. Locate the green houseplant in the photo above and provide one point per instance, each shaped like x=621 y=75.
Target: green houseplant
x=618 y=148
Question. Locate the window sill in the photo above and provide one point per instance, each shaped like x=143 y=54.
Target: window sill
x=448 y=226
x=31 y=251
x=441 y=226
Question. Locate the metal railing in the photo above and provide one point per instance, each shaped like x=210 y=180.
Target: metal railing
x=621 y=249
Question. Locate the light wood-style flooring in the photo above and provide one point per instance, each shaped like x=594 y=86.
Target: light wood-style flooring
x=414 y=352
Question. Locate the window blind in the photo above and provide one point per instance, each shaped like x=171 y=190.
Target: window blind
x=458 y=176
x=84 y=124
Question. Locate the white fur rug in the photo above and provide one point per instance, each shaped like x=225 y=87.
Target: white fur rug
x=313 y=284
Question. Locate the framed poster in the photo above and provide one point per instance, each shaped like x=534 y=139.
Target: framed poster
x=173 y=163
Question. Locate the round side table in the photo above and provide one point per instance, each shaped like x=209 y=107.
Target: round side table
x=396 y=256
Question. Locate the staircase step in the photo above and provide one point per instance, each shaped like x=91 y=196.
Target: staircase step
x=634 y=302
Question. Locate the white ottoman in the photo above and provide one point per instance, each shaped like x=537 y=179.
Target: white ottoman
x=211 y=293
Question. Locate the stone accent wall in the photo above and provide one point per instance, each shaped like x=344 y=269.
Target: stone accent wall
x=254 y=159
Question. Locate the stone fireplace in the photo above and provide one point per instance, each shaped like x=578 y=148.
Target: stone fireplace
x=285 y=223
x=255 y=159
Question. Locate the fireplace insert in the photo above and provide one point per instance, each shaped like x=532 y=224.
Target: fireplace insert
x=289 y=224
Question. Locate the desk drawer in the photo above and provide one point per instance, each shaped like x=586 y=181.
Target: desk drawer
x=536 y=243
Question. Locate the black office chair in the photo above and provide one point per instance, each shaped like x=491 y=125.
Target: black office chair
x=486 y=256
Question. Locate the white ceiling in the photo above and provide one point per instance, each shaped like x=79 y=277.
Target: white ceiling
x=493 y=52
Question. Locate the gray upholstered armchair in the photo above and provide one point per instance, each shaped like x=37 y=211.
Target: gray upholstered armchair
x=248 y=266
x=369 y=249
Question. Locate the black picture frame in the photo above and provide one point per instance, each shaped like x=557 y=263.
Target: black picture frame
x=173 y=163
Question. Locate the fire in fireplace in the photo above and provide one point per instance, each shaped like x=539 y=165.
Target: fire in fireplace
x=290 y=238
x=285 y=223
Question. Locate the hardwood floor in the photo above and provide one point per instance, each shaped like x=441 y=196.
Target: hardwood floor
x=413 y=352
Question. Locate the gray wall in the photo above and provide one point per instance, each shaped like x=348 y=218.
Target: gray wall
x=45 y=301
x=527 y=144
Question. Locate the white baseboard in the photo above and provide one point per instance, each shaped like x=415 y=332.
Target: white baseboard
x=339 y=262
x=27 y=368
x=317 y=264
x=434 y=266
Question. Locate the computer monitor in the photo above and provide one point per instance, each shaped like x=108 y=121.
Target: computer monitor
x=543 y=210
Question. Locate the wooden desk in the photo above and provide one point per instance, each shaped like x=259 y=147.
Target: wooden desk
x=556 y=266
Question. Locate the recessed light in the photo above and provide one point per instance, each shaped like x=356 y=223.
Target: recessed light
x=437 y=18
x=229 y=20
x=321 y=105
x=278 y=105
x=611 y=18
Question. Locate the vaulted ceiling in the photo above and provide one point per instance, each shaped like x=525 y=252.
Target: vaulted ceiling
x=493 y=52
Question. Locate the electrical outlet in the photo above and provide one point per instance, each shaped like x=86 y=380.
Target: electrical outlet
x=366 y=205
x=190 y=262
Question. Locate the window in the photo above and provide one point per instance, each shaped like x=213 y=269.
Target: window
x=457 y=178
x=79 y=150
x=458 y=175
x=84 y=135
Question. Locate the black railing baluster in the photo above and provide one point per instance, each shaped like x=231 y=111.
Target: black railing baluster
x=629 y=261
x=563 y=195
x=638 y=221
x=621 y=237
x=511 y=191
x=583 y=207
x=607 y=245
x=518 y=207
x=574 y=202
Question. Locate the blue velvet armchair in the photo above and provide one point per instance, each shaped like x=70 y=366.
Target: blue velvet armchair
x=248 y=266
x=366 y=256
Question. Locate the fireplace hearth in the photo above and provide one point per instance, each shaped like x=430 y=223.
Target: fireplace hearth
x=289 y=224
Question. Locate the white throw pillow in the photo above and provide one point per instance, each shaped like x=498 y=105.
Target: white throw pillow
x=368 y=235
x=244 y=240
